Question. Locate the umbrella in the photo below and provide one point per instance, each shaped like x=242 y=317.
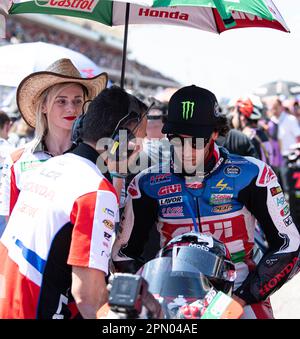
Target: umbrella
x=210 y=15
x=37 y=56
x=282 y=88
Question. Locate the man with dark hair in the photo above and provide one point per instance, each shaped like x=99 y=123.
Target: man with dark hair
x=54 y=251
x=97 y=126
x=5 y=124
x=207 y=189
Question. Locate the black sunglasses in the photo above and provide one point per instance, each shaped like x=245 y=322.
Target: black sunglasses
x=178 y=140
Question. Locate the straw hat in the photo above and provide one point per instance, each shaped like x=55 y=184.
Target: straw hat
x=61 y=71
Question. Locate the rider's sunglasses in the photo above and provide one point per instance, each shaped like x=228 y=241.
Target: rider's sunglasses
x=178 y=140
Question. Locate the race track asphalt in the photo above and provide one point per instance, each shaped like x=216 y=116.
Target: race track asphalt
x=286 y=301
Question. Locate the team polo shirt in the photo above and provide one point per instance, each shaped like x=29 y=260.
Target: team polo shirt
x=64 y=216
x=17 y=167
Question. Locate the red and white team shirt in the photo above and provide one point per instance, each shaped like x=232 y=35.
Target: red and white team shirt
x=18 y=166
x=64 y=216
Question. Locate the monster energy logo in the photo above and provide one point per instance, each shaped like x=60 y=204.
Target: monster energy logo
x=187 y=109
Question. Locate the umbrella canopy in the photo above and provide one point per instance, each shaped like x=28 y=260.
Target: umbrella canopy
x=282 y=88
x=210 y=15
x=19 y=60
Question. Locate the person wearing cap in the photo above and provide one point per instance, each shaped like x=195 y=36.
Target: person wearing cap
x=48 y=101
x=54 y=251
x=209 y=190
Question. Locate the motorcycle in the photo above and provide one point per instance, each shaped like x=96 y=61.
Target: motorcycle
x=191 y=278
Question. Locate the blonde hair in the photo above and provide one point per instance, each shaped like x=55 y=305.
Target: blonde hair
x=47 y=98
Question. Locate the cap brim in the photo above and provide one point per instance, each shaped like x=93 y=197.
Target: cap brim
x=203 y=131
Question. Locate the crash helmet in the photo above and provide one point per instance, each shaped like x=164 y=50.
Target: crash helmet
x=250 y=106
x=204 y=254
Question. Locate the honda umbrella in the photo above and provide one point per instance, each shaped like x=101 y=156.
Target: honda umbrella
x=214 y=16
x=19 y=60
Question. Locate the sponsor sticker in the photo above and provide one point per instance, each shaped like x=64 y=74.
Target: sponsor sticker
x=108 y=211
x=219 y=199
x=109 y=224
x=172 y=200
x=285 y=211
x=280 y=201
x=30 y=165
x=107 y=236
x=222 y=186
x=165 y=190
x=202 y=247
x=275 y=190
x=232 y=171
x=267 y=175
x=74 y=5
x=288 y=221
x=239 y=162
x=222 y=208
x=160 y=178
x=166 y=13
x=172 y=211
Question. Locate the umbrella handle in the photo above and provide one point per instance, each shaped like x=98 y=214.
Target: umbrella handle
x=125 y=45
x=225 y=15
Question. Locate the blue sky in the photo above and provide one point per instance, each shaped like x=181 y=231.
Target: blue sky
x=229 y=64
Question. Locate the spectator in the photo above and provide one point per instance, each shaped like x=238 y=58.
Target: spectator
x=20 y=133
x=288 y=134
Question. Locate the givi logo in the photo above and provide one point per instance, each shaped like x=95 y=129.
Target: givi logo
x=169 y=189
x=75 y=5
x=218 y=229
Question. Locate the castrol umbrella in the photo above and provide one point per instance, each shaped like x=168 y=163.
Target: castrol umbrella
x=19 y=60
x=214 y=16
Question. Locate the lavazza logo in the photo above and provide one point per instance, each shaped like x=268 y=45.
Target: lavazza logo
x=75 y=5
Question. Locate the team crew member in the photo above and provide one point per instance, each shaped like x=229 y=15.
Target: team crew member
x=224 y=201
x=54 y=251
x=49 y=101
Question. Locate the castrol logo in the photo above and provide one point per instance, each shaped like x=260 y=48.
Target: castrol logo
x=74 y=5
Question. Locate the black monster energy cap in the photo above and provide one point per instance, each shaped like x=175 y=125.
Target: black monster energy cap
x=193 y=111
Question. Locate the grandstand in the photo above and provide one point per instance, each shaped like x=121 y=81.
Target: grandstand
x=103 y=48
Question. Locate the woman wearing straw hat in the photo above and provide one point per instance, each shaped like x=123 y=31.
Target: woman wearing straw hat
x=49 y=101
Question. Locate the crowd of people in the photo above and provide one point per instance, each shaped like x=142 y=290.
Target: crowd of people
x=104 y=55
